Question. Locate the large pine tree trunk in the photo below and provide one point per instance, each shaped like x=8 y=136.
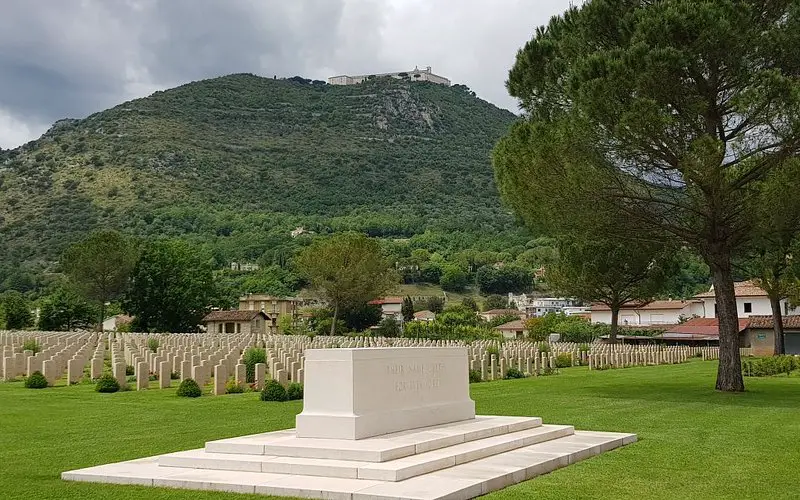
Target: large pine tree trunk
x=729 y=374
x=777 y=323
x=612 y=334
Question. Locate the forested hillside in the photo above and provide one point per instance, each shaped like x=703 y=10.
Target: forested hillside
x=233 y=164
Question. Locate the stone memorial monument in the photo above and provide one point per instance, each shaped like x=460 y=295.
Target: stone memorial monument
x=377 y=423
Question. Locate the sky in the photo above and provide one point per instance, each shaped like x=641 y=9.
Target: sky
x=71 y=58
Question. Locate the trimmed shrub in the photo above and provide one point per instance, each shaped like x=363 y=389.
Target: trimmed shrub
x=765 y=367
x=129 y=370
x=543 y=347
x=36 y=381
x=514 y=373
x=233 y=388
x=475 y=377
x=189 y=389
x=294 y=391
x=564 y=360
x=174 y=376
x=493 y=351
x=107 y=383
x=130 y=379
x=251 y=358
x=153 y=343
x=273 y=391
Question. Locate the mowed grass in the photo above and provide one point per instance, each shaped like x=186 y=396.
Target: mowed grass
x=693 y=441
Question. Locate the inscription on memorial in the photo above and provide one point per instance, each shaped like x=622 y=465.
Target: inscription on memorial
x=415 y=377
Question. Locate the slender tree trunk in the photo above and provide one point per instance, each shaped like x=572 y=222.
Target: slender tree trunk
x=729 y=373
x=335 y=317
x=102 y=315
x=777 y=323
x=612 y=335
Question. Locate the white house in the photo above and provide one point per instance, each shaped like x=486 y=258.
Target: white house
x=390 y=307
x=111 y=324
x=658 y=312
x=751 y=300
x=535 y=307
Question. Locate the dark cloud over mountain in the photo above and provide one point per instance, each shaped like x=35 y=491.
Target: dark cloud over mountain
x=70 y=58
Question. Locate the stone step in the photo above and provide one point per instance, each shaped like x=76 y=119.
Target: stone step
x=394 y=470
x=460 y=482
x=374 y=449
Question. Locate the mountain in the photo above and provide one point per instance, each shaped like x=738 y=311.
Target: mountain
x=237 y=162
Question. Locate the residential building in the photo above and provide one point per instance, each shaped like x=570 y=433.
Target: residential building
x=274 y=307
x=496 y=313
x=390 y=307
x=244 y=266
x=535 y=307
x=513 y=329
x=698 y=330
x=657 y=312
x=246 y=322
x=750 y=300
x=760 y=335
x=414 y=75
x=424 y=316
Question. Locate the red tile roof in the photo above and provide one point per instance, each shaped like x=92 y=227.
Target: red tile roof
x=233 y=316
x=516 y=326
x=702 y=327
x=656 y=304
x=766 y=322
x=741 y=288
x=424 y=315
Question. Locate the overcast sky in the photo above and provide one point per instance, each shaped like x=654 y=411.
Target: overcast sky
x=71 y=58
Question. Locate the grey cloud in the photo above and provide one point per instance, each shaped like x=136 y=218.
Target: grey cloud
x=70 y=58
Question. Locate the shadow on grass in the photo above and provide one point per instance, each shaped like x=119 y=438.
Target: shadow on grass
x=774 y=392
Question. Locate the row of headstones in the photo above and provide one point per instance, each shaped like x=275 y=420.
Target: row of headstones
x=712 y=353
x=637 y=358
x=59 y=354
x=493 y=368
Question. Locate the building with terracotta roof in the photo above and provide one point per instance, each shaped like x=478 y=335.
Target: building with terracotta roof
x=751 y=300
x=657 y=312
x=496 y=313
x=424 y=315
x=236 y=322
x=390 y=307
x=513 y=329
x=760 y=335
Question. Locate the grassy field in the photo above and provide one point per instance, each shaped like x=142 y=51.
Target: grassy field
x=694 y=442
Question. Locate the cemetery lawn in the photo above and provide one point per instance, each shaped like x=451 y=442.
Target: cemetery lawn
x=694 y=442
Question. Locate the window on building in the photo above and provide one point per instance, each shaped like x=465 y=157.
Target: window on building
x=230 y=327
x=748 y=307
x=219 y=328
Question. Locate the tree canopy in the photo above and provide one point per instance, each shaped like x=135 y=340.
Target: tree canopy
x=171 y=288
x=99 y=266
x=346 y=269
x=657 y=119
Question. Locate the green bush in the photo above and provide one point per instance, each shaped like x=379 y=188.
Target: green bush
x=107 y=383
x=273 y=391
x=36 y=381
x=174 y=376
x=493 y=351
x=189 y=389
x=584 y=348
x=31 y=345
x=514 y=373
x=564 y=360
x=152 y=344
x=294 y=391
x=543 y=347
x=251 y=358
x=129 y=370
x=131 y=379
x=765 y=367
x=475 y=377
x=233 y=388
